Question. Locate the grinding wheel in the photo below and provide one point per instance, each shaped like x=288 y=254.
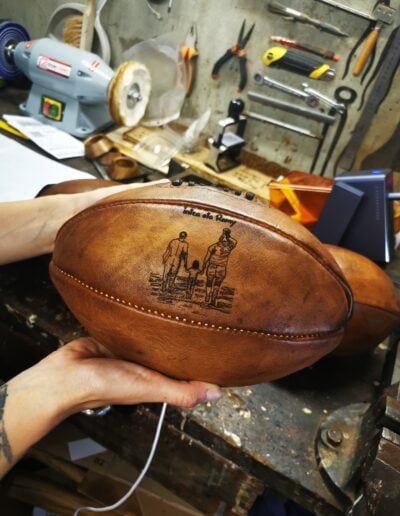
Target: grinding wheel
x=129 y=93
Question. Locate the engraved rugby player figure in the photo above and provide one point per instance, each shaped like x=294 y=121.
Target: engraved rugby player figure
x=215 y=264
x=174 y=256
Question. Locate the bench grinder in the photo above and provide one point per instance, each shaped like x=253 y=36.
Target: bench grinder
x=72 y=89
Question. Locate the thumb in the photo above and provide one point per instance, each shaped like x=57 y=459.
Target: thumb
x=189 y=394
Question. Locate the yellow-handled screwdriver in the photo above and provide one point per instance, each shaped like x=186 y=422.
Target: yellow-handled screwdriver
x=298 y=62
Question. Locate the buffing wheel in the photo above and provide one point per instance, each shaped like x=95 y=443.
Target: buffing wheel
x=129 y=93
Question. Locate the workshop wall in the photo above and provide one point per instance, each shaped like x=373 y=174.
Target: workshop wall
x=130 y=21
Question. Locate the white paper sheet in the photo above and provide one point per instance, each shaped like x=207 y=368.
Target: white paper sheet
x=57 y=143
x=23 y=172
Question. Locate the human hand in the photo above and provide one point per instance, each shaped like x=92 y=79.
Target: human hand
x=90 y=376
x=79 y=376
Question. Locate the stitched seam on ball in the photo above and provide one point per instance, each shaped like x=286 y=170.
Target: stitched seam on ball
x=189 y=321
x=244 y=218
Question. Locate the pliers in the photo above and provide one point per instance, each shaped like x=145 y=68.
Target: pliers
x=188 y=52
x=239 y=51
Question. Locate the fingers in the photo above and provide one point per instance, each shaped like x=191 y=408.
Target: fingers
x=113 y=381
x=103 y=379
x=188 y=394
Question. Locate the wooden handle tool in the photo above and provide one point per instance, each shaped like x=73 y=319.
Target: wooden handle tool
x=367 y=49
x=89 y=17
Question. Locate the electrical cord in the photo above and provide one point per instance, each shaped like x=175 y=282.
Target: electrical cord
x=140 y=477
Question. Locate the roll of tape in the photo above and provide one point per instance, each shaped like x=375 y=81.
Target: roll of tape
x=109 y=157
x=123 y=167
x=97 y=145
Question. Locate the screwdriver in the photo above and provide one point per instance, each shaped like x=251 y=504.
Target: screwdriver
x=298 y=62
x=291 y=14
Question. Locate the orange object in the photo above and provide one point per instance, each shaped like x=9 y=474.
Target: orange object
x=300 y=195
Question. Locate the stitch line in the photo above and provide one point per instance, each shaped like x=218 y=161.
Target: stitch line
x=192 y=322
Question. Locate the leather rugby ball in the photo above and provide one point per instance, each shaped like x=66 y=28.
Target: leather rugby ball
x=201 y=284
x=376 y=310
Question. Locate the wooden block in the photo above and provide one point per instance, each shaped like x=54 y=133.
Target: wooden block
x=242 y=178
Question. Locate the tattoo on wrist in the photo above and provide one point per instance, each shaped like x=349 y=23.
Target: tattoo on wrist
x=5 y=447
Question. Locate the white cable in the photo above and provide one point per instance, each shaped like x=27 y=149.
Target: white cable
x=156 y=13
x=140 y=477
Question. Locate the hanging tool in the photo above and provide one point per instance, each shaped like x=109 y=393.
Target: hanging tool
x=261 y=79
x=349 y=9
x=59 y=20
x=292 y=43
x=311 y=97
x=291 y=14
x=344 y=97
x=188 y=52
x=311 y=114
x=88 y=20
x=297 y=62
x=379 y=91
x=279 y=123
x=372 y=77
x=384 y=15
x=78 y=30
x=239 y=51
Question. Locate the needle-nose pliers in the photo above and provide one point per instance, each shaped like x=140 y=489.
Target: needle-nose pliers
x=239 y=51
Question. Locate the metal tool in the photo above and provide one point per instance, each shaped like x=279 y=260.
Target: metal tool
x=291 y=14
x=349 y=9
x=279 y=123
x=188 y=52
x=299 y=45
x=72 y=89
x=225 y=147
x=261 y=79
x=311 y=114
x=298 y=62
x=310 y=96
x=344 y=97
x=239 y=51
x=382 y=14
x=379 y=91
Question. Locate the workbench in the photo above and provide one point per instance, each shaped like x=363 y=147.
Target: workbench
x=219 y=456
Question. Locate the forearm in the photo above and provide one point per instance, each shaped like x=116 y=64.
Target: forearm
x=30 y=409
x=29 y=228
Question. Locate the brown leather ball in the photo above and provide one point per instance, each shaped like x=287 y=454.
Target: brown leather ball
x=376 y=311
x=202 y=284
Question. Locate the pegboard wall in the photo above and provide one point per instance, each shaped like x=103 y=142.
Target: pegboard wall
x=218 y=22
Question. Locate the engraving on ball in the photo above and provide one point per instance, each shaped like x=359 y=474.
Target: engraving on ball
x=192 y=280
